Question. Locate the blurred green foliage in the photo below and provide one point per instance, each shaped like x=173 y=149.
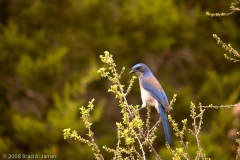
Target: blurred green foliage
x=49 y=58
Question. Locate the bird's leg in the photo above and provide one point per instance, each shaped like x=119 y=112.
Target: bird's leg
x=143 y=106
x=156 y=106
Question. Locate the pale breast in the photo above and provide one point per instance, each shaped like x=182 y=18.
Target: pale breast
x=147 y=97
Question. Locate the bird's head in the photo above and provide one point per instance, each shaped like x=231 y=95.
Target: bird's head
x=139 y=69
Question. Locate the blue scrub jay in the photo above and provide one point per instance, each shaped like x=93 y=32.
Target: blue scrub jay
x=152 y=94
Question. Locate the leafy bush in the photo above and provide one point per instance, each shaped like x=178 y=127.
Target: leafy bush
x=136 y=136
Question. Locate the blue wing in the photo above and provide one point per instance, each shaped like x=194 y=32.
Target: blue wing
x=152 y=86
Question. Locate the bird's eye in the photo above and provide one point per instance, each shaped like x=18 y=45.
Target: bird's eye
x=138 y=68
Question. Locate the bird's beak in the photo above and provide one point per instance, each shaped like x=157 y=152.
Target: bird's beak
x=131 y=72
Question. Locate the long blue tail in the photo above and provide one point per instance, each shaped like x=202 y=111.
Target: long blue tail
x=165 y=123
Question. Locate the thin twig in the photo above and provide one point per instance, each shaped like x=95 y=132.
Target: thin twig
x=141 y=146
x=157 y=123
x=221 y=106
x=197 y=130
